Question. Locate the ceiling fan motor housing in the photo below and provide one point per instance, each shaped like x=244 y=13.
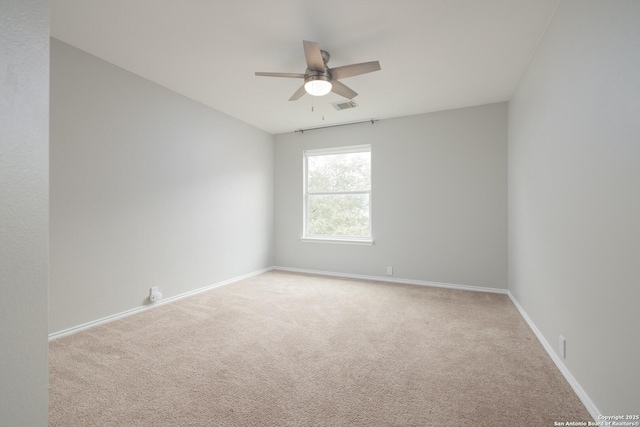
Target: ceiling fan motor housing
x=311 y=75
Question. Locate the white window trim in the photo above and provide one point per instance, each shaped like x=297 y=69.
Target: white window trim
x=338 y=150
x=337 y=241
x=347 y=240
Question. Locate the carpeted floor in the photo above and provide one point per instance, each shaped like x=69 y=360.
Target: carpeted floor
x=284 y=349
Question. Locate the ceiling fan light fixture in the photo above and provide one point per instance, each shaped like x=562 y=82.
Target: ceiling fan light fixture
x=317 y=86
x=319 y=79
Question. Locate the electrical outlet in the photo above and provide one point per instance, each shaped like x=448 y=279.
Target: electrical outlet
x=562 y=347
x=155 y=294
x=389 y=271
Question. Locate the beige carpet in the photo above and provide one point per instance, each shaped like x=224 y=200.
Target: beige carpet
x=283 y=349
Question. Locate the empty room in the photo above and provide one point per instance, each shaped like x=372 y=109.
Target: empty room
x=293 y=213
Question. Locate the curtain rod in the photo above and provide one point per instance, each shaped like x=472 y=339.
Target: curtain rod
x=372 y=121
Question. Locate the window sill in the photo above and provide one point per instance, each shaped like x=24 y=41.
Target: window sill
x=359 y=242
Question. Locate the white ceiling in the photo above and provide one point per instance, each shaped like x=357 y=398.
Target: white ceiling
x=435 y=54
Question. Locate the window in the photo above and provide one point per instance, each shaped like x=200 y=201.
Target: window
x=337 y=194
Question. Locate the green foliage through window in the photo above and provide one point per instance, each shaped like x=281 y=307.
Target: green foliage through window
x=338 y=192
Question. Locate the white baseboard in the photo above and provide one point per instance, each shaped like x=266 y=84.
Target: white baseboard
x=395 y=280
x=75 y=329
x=577 y=388
x=582 y=395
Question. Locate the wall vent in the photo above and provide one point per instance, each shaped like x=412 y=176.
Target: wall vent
x=344 y=105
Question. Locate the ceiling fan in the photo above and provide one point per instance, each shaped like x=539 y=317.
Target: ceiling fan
x=319 y=79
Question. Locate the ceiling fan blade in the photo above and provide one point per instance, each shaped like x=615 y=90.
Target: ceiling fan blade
x=292 y=75
x=313 y=56
x=342 y=90
x=298 y=94
x=354 y=69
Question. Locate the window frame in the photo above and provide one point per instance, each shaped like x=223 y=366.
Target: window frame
x=352 y=240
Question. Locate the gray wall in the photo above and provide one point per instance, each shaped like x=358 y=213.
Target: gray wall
x=574 y=195
x=148 y=188
x=439 y=198
x=24 y=181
